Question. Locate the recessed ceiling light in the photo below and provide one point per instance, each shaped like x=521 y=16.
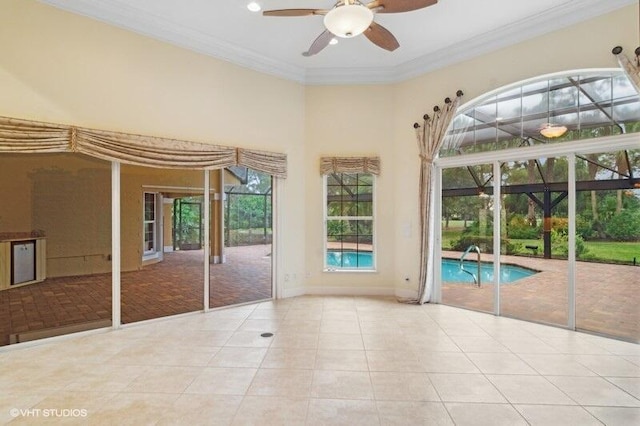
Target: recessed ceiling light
x=333 y=41
x=254 y=7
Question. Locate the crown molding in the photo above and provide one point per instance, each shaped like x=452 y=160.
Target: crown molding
x=122 y=15
x=563 y=16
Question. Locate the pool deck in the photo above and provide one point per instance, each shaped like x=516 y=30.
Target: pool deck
x=607 y=295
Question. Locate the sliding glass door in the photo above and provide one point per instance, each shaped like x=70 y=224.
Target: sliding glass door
x=55 y=245
x=534 y=240
x=162 y=239
x=467 y=237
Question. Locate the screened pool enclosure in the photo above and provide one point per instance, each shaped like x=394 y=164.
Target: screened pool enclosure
x=566 y=205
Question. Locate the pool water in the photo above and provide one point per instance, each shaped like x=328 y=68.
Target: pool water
x=508 y=273
x=349 y=259
x=451 y=272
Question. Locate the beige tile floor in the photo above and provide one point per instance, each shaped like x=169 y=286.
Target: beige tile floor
x=390 y=364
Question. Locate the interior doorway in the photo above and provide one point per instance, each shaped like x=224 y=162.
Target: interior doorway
x=188 y=223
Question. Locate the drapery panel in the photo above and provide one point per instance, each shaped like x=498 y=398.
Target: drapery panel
x=430 y=136
x=262 y=161
x=20 y=136
x=350 y=165
x=631 y=68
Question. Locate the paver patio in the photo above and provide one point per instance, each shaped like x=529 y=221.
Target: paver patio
x=607 y=295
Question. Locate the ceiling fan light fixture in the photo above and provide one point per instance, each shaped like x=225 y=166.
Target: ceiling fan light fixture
x=254 y=6
x=333 y=41
x=552 y=131
x=348 y=20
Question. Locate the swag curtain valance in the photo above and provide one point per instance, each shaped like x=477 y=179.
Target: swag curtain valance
x=20 y=136
x=350 y=165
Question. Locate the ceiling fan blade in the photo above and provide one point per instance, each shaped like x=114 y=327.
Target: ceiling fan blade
x=319 y=43
x=294 y=12
x=381 y=36
x=397 y=6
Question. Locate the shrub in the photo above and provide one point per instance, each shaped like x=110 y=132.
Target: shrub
x=560 y=243
x=519 y=228
x=624 y=226
x=585 y=227
x=474 y=228
x=559 y=224
x=484 y=242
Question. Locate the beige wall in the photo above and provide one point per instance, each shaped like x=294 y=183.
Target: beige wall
x=585 y=45
x=345 y=121
x=60 y=67
x=68 y=197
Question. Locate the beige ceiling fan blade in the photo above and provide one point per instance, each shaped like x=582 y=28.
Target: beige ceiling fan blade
x=381 y=37
x=294 y=12
x=319 y=43
x=397 y=6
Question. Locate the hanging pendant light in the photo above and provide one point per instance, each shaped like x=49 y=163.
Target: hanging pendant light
x=551 y=131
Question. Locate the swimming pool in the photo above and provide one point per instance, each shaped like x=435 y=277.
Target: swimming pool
x=451 y=272
x=349 y=259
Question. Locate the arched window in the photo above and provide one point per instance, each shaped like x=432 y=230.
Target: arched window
x=575 y=105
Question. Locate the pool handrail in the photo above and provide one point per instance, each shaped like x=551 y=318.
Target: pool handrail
x=477 y=281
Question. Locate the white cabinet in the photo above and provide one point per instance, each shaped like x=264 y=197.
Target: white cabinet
x=23 y=261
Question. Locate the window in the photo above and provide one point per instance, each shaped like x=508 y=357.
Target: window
x=588 y=104
x=149 y=223
x=349 y=221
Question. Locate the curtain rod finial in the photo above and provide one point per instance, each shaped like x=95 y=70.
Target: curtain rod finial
x=416 y=126
x=637 y=51
x=436 y=108
x=425 y=117
x=617 y=50
x=447 y=100
x=459 y=93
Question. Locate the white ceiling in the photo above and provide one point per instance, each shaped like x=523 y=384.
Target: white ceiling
x=430 y=38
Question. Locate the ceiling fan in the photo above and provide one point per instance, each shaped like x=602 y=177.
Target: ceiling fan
x=349 y=18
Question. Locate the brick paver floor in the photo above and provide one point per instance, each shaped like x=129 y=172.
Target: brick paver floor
x=171 y=287
x=607 y=296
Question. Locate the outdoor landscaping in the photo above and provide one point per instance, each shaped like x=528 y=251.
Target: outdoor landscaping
x=613 y=237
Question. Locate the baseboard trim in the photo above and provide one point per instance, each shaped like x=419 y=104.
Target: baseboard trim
x=29 y=336
x=294 y=292
x=339 y=291
x=403 y=293
x=406 y=293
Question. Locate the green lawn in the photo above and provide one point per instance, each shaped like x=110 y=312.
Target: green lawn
x=619 y=252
